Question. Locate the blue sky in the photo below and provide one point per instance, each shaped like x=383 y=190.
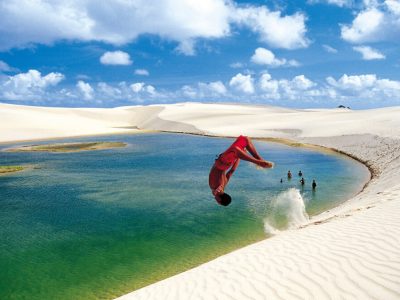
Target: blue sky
x=312 y=53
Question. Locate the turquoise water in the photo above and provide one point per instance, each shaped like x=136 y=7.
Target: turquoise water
x=98 y=224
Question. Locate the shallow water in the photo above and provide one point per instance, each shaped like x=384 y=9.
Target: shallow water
x=102 y=223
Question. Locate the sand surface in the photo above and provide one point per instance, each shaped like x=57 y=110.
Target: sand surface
x=350 y=252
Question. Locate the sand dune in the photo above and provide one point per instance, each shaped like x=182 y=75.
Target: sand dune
x=350 y=252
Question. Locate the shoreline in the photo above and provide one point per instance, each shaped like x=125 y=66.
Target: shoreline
x=351 y=241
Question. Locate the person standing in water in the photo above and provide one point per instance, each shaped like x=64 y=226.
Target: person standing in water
x=314 y=184
x=289 y=175
x=300 y=173
x=229 y=160
x=302 y=181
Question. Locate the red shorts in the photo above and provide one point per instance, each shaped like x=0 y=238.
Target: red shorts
x=226 y=159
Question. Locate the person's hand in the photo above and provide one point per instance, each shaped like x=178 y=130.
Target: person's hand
x=218 y=190
x=266 y=164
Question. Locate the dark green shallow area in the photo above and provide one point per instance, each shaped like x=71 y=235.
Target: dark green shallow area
x=99 y=224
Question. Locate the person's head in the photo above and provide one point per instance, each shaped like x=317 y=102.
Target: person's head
x=223 y=199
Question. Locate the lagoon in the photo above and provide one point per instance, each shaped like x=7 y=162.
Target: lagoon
x=98 y=224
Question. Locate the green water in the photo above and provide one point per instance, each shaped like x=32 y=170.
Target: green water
x=99 y=224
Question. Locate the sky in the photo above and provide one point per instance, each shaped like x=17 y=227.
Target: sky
x=304 y=54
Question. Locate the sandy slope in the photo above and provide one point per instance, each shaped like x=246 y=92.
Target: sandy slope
x=350 y=252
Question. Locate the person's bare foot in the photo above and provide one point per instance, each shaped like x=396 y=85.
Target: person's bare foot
x=266 y=164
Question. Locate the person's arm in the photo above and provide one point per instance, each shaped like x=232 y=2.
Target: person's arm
x=234 y=167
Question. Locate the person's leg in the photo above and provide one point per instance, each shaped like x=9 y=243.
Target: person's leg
x=250 y=147
x=243 y=155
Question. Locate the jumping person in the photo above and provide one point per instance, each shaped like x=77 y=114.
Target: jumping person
x=230 y=159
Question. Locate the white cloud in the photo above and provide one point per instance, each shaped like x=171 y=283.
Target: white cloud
x=212 y=88
x=354 y=82
x=377 y=22
x=271 y=87
x=264 y=56
x=82 y=77
x=119 y=22
x=142 y=72
x=295 y=88
x=329 y=49
x=150 y=89
x=141 y=87
x=116 y=58
x=393 y=6
x=186 y=47
x=108 y=90
x=369 y=53
x=137 y=87
x=340 y=3
x=365 y=27
x=4 y=67
x=116 y=22
x=189 y=91
x=85 y=89
x=367 y=87
x=242 y=83
x=236 y=65
x=278 y=31
x=29 y=85
x=204 y=90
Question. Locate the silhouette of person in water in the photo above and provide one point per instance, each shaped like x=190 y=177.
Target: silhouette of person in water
x=300 y=173
x=281 y=180
x=314 y=184
x=230 y=159
x=289 y=175
x=302 y=181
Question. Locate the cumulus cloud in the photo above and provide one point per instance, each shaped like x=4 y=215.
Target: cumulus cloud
x=204 y=90
x=369 y=53
x=329 y=49
x=115 y=22
x=29 y=85
x=142 y=72
x=137 y=87
x=242 y=83
x=283 y=88
x=378 y=21
x=264 y=56
x=366 y=86
x=120 y=22
x=85 y=89
x=116 y=58
x=354 y=82
x=288 y=32
x=141 y=87
x=216 y=87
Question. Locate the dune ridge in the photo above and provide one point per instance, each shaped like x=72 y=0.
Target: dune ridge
x=349 y=252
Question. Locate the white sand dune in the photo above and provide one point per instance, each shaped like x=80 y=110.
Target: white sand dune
x=350 y=252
